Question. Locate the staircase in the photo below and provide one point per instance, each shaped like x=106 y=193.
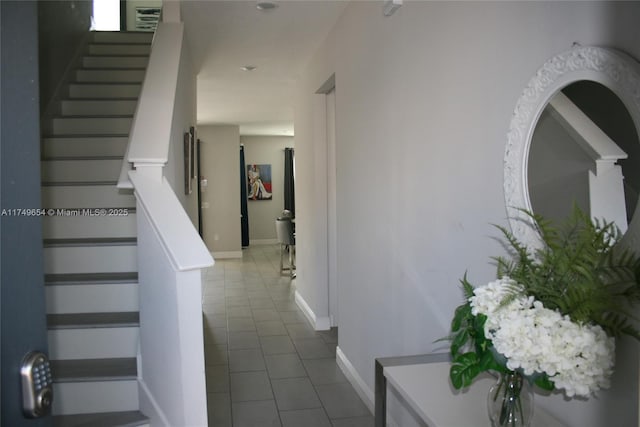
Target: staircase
x=90 y=238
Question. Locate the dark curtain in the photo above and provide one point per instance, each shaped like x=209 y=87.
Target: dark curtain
x=244 y=212
x=289 y=185
x=199 y=194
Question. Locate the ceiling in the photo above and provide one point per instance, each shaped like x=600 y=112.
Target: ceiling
x=224 y=36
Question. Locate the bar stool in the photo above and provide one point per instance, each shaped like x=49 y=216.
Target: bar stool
x=287 y=240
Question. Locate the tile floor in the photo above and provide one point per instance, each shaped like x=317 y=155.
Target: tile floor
x=265 y=365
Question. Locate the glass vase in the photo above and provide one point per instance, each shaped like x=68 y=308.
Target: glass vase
x=510 y=401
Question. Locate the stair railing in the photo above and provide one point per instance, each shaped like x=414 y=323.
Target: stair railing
x=606 y=189
x=171 y=254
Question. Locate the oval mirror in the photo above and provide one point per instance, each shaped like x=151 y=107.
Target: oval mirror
x=574 y=139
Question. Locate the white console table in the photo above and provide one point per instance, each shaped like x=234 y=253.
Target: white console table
x=425 y=388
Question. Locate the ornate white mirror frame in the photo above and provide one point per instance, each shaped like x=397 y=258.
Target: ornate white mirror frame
x=613 y=69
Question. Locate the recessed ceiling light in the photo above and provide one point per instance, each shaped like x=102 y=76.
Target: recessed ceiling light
x=266 y=5
x=248 y=67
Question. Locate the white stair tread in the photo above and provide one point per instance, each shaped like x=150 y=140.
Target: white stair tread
x=105 y=419
x=83 y=146
x=89 y=397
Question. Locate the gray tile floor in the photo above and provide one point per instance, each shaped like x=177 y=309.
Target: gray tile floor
x=265 y=365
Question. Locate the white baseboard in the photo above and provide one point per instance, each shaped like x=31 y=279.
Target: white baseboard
x=226 y=255
x=258 y=242
x=149 y=406
x=318 y=323
x=366 y=394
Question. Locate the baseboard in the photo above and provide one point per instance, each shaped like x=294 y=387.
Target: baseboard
x=361 y=387
x=149 y=406
x=226 y=255
x=318 y=323
x=259 y=242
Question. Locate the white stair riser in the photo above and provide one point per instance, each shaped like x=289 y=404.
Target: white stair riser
x=84 y=146
x=110 y=76
x=89 y=196
x=119 y=49
x=115 y=61
x=121 y=37
x=90 y=259
x=93 y=343
x=90 y=397
x=115 y=90
x=115 y=107
x=81 y=170
x=91 y=125
x=71 y=227
x=100 y=298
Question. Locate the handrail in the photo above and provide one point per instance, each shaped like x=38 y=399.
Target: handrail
x=587 y=134
x=148 y=142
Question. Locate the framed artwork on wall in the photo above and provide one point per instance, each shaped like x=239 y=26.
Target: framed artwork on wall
x=188 y=160
x=259 y=182
x=192 y=141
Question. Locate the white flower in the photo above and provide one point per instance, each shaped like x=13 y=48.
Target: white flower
x=578 y=358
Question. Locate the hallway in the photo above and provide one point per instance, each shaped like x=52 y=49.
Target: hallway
x=265 y=365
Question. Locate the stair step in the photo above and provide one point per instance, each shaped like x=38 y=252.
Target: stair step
x=104 y=90
x=94 y=369
x=91 y=298
x=91 y=292
x=88 y=195
x=76 y=223
x=93 y=320
x=119 y=49
x=92 y=342
x=80 y=257
x=122 y=37
x=89 y=242
x=91 y=397
x=106 y=419
x=99 y=107
x=115 y=62
x=91 y=125
x=79 y=169
x=90 y=278
x=73 y=299
x=84 y=146
x=110 y=75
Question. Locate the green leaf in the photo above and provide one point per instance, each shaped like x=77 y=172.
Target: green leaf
x=458 y=342
x=544 y=382
x=464 y=369
x=462 y=313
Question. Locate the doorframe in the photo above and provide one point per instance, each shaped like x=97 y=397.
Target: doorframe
x=328 y=91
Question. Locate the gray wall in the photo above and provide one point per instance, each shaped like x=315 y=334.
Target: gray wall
x=22 y=309
x=558 y=171
x=62 y=26
x=424 y=100
x=220 y=154
x=262 y=213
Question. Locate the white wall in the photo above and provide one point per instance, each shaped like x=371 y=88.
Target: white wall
x=220 y=162
x=262 y=213
x=184 y=117
x=424 y=100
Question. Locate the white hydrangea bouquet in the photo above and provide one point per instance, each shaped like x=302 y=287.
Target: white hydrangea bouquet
x=553 y=314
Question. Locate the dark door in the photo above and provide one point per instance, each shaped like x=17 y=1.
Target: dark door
x=22 y=291
x=244 y=212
